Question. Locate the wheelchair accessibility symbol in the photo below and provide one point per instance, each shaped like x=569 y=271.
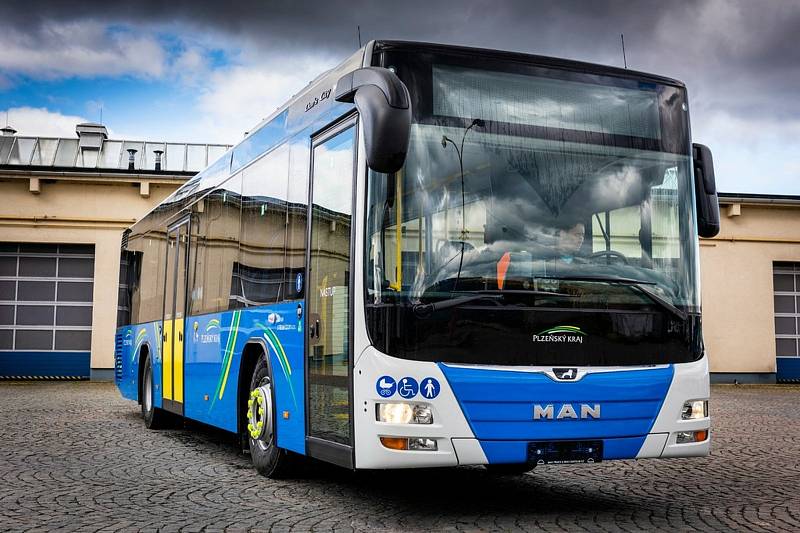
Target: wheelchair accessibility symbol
x=386 y=386
x=407 y=388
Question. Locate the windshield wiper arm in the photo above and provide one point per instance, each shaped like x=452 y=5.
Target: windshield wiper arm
x=660 y=300
x=425 y=310
x=643 y=286
x=533 y=292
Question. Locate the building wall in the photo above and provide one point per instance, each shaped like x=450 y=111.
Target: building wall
x=91 y=209
x=737 y=289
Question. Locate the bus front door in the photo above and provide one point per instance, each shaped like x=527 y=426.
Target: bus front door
x=328 y=335
x=174 y=309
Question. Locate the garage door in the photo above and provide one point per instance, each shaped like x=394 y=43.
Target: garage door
x=45 y=310
x=786 y=284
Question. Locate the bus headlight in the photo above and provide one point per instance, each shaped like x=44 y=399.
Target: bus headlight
x=404 y=413
x=694 y=409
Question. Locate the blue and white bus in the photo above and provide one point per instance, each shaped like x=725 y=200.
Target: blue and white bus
x=435 y=256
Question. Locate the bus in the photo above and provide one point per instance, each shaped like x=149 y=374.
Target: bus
x=435 y=256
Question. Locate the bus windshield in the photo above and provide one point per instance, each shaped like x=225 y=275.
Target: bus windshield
x=535 y=198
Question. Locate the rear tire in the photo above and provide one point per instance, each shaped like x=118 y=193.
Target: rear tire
x=510 y=469
x=260 y=424
x=154 y=418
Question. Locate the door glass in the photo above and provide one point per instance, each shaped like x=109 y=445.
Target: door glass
x=182 y=247
x=328 y=288
x=180 y=274
x=169 y=313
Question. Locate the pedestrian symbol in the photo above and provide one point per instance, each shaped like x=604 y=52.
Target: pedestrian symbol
x=407 y=388
x=386 y=386
x=430 y=388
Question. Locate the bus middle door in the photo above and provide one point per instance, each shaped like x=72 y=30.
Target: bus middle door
x=174 y=311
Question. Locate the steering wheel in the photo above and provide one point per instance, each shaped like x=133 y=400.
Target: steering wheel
x=610 y=254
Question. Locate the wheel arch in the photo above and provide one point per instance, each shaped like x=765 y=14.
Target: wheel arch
x=144 y=354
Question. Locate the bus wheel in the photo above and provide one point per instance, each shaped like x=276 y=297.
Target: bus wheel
x=511 y=469
x=270 y=460
x=154 y=418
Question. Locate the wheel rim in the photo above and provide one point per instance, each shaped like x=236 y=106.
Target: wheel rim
x=259 y=415
x=148 y=390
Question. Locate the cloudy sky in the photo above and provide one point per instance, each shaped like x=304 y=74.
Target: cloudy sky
x=195 y=70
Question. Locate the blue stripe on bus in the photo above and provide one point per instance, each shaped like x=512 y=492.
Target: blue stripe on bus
x=135 y=339
x=498 y=405
x=205 y=364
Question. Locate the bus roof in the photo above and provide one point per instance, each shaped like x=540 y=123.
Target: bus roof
x=545 y=61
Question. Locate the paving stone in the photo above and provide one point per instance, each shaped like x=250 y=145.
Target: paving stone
x=76 y=457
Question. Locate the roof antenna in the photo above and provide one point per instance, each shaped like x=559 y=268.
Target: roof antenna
x=624 y=59
x=101 y=114
x=359 y=35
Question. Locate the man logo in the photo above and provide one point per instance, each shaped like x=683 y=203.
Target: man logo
x=547 y=412
x=565 y=373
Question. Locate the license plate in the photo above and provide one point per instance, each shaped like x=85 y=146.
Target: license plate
x=565 y=452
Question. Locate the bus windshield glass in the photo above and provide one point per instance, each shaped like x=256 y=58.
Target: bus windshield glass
x=534 y=198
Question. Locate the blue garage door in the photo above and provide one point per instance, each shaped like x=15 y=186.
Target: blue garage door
x=45 y=310
x=786 y=284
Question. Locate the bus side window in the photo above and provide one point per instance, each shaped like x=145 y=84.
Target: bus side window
x=297 y=213
x=217 y=251
x=148 y=300
x=262 y=240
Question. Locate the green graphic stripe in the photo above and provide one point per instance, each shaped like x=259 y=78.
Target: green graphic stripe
x=277 y=347
x=562 y=329
x=284 y=361
x=140 y=336
x=223 y=378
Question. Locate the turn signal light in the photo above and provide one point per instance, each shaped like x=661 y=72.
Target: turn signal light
x=395 y=443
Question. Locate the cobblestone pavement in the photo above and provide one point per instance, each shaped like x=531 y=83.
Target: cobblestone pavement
x=75 y=456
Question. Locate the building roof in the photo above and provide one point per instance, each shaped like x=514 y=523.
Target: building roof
x=92 y=149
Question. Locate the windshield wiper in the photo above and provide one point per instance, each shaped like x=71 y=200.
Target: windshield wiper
x=643 y=286
x=426 y=310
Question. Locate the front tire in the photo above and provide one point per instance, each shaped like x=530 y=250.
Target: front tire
x=154 y=418
x=269 y=460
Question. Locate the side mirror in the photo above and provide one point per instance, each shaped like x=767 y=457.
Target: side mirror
x=384 y=104
x=705 y=191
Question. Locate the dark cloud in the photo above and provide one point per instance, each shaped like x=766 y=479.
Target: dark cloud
x=746 y=50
